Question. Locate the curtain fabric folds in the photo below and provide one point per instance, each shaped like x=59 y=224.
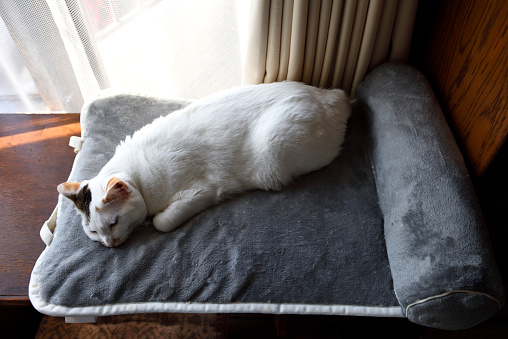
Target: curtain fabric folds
x=326 y=43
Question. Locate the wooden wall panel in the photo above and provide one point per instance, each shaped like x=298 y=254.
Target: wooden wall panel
x=462 y=46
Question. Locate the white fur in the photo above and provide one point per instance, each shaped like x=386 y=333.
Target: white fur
x=251 y=137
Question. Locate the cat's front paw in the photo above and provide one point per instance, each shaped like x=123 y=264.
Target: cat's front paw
x=162 y=223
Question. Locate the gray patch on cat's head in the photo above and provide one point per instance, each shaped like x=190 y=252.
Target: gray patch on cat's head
x=82 y=201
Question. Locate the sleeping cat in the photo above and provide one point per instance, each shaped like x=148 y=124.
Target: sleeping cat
x=252 y=137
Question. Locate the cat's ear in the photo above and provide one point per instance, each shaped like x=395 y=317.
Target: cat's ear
x=69 y=190
x=116 y=190
x=80 y=195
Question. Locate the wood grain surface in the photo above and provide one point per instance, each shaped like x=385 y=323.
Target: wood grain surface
x=34 y=159
x=462 y=46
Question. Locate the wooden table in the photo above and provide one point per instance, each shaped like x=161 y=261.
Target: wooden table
x=34 y=158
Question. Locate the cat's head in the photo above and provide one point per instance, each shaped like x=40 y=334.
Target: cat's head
x=110 y=210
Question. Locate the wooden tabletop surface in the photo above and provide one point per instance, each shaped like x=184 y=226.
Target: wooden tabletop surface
x=34 y=158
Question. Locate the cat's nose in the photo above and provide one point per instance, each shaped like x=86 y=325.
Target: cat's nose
x=109 y=242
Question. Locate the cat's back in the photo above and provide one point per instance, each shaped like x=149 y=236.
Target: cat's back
x=271 y=131
x=253 y=106
x=232 y=112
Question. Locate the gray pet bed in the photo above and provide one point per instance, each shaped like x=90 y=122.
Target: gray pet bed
x=391 y=228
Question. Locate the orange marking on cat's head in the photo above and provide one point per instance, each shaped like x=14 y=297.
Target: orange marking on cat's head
x=68 y=188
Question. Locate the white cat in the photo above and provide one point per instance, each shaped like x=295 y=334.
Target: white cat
x=252 y=137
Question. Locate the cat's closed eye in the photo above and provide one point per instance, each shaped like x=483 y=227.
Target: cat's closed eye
x=114 y=222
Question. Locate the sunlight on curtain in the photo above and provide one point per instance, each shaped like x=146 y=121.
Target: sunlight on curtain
x=18 y=92
x=169 y=48
x=177 y=48
x=166 y=48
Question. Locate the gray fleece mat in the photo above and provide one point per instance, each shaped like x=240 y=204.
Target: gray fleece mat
x=319 y=241
x=321 y=245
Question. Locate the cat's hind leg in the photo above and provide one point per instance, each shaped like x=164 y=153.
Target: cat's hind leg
x=183 y=209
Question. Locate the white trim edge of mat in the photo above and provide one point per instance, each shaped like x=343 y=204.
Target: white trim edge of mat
x=189 y=307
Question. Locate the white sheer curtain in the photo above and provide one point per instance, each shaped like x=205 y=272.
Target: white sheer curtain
x=175 y=48
x=171 y=48
x=18 y=92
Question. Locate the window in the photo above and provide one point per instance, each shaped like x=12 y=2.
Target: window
x=169 y=48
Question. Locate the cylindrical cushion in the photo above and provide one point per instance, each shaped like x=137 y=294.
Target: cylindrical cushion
x=444 y=273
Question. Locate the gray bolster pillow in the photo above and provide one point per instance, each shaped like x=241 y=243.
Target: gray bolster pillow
x=443 y=270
